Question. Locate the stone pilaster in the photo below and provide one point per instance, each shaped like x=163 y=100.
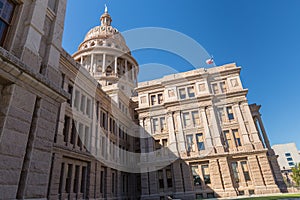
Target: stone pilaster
x=229 y=190
x=216 y=132
x=244 y=133
x=207 y=135
x=172 y=137
x=180 y=136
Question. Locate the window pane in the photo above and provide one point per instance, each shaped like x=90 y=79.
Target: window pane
x=237 y=137
x=7 y=11
x=182 y=93
x=206 y=175
x=191 y=92
x=189 y=143
x=223 y=87
x=228 y=140
x=234 y=166
x=230 y=113
x=196 y=119
x=160 y=179
x=169 y=178
x=160 y=98
x=163 y=124
x=200 y=141
x=245 y=171
x=186 y=119
x=153 y=99
x=196 y=175
x=287 y=154
x=215 y=88
x=155 y=125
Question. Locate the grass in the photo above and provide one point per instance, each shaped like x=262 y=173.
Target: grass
x=283 y=196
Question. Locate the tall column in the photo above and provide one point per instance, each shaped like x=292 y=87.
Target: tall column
x=104 y=64
x=81 y=60
x=252 y=128
x=180 y=135
x=244 y=132
x=92 y=63
x=263 y=130
x=216 y=133
x=116 y=66
x=207 y=136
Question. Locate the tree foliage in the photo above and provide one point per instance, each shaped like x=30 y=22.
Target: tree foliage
x=296 y=174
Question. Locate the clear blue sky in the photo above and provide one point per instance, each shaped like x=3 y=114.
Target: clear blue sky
x=263 y=37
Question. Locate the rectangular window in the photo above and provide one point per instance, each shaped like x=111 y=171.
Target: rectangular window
x=83 y=180
x=155 y=125
x=70 y=91
x=102 y=181
x=186 y=119
x=291 y=164
x=76 y=100
x=153 y=100
x=245 y=171
x=6 y=13
x=230 y=113
x=223 y=87
x=228 y=140
x=113 y=182
x=191 y=92
x=66 y=128
x=237 y=138
x=289 y=159
x=215 y=88
x=169 y=177
x=160 y=179
x=206 y=175
x=76 y=179
x=88 y=107
x=234 y=166
x=196 y=175
x=287 y=154
x=189 y=143
x=182 y=93
x=73 y=133
x=200 y=141
x=61 y=178
x=195 y=117
x=82 y=104
x=160 y=98
x=163 y=124
x=69 y=178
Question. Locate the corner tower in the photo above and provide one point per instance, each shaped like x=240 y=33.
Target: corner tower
x=105 y=55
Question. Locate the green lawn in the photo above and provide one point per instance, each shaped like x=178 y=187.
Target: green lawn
x=283 y=196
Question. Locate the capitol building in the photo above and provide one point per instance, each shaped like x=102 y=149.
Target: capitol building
x=81 y=126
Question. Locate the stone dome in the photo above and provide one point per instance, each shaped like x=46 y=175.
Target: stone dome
x=104 y=35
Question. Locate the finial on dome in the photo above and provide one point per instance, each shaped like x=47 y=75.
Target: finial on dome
x=105 y=10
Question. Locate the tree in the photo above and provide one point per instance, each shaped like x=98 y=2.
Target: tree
x=296 y=174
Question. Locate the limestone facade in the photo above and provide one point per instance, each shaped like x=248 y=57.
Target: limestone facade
x=69 y=124
x=203 y=116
